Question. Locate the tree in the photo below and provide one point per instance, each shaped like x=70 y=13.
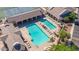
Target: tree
x=62 y=34
x=66 y=19
x=71 y=17
x=63 y=47
x=68 y=35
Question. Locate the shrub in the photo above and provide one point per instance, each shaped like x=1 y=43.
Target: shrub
x=63 y=47
x=71 y=17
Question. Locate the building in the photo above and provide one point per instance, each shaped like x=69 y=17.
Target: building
x=19 y=14
x=57 y=12
x=75 y=36
x=2 y=46
x=11 y=38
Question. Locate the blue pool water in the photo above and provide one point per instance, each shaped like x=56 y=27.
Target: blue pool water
x=38 y=36
x=48 y=24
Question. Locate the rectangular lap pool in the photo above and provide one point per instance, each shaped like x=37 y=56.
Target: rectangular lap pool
x=38 y=36
x=47 y=23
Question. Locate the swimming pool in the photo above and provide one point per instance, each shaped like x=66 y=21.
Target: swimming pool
x=47 y=23
x=38 y=36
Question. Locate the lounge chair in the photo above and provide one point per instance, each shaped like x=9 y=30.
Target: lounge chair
x=47 y=48
x=28 y=45
x=25 y=41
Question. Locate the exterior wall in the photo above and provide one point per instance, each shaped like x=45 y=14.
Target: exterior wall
x=24 y=16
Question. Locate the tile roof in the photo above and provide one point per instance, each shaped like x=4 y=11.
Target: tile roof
x=11 y=35
x=11 y=11
x=18 y=10
x=56 y=11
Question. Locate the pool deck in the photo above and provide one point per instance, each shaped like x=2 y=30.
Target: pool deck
x=33 y=47
x=44 y=46
x=27 y=38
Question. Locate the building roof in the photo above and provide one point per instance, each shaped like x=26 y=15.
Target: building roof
x=2 y=14
x=11 y=11
x=1 y=45
x=56 y=11
x=11 y=35
x=18 y=10
x=11 y=39
x=71 y=8
x=76 y=32
x=8 y=28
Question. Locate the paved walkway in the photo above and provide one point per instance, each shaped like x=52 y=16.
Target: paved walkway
x=71 y=33
x=27 y=38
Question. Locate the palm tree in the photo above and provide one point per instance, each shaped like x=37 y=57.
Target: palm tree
x=72 y=16
x=62 y=34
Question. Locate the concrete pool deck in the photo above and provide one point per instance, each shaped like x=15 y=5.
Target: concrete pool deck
x=45 y=45
x=33 y=47
x=27 y=38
